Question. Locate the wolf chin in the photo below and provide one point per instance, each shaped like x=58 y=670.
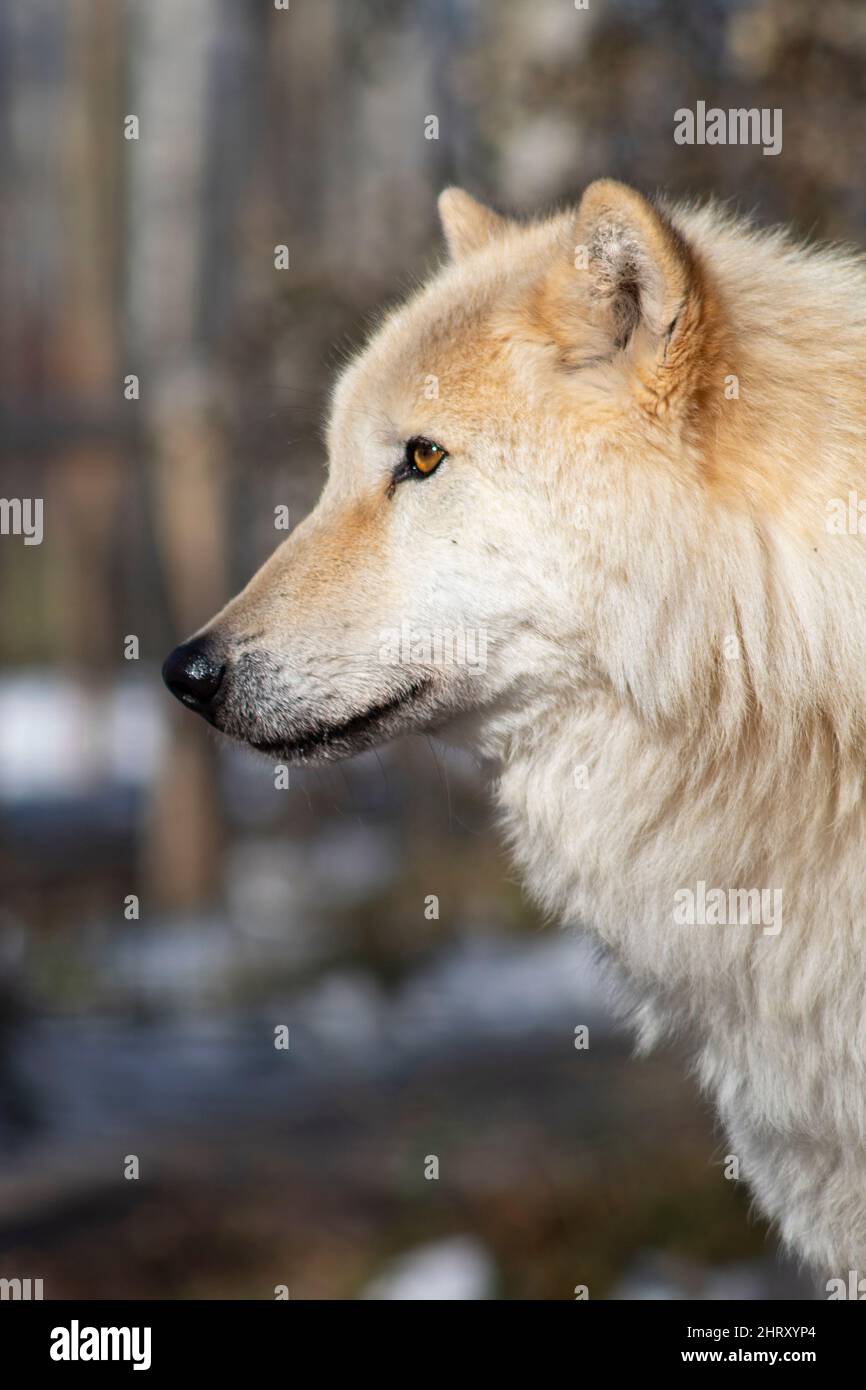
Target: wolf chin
x=611 y=440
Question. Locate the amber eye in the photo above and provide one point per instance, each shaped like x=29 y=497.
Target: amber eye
x=423 y=456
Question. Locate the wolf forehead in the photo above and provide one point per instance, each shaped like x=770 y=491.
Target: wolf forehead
x=450 y=346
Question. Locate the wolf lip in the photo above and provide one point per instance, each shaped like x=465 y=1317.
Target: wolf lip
x=323 y=735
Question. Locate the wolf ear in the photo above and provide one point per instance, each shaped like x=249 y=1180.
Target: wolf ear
x=642 y=274
x=467 y=225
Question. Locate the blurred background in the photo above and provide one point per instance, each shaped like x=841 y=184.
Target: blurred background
x=165 y=908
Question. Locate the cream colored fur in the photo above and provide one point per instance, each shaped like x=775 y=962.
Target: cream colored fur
x=646 y=414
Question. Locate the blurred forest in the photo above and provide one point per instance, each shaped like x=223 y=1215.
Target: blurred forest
x=153 y=258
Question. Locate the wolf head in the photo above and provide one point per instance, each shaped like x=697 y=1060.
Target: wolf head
x=467 y=555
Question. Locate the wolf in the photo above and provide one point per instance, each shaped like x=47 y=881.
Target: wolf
x=618 y=441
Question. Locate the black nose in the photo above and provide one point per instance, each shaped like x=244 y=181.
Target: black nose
x=193 y=672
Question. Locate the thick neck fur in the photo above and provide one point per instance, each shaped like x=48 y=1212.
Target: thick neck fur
x=720 y=735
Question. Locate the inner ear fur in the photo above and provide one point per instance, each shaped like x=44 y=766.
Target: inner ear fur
x=641 y=273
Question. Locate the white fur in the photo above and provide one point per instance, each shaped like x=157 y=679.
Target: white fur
x=611 y=557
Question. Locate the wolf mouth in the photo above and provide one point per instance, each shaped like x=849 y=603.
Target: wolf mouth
x=323 y=736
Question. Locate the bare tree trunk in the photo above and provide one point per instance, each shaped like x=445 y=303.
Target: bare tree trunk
x=172 y=49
